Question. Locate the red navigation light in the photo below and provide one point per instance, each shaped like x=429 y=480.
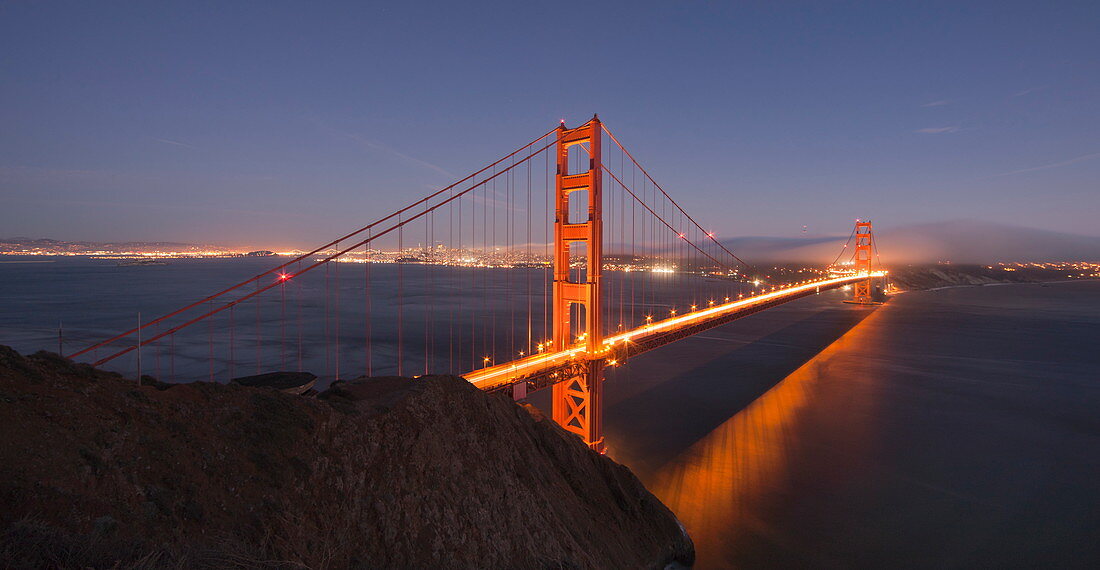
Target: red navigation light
x=284 y=276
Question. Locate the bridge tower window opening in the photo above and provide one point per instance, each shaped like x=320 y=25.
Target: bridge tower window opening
x=578 y=262
x=577 y=210
x=578 y=158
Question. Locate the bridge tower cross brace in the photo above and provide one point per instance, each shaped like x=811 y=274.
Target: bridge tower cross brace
x=577 y=400
x=864 y=244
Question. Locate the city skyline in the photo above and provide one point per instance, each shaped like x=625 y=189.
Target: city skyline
x=183 y=124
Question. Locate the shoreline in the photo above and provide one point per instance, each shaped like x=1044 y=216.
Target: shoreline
x=1000 y=284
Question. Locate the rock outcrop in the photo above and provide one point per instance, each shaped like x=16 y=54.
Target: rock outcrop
x=375 y=473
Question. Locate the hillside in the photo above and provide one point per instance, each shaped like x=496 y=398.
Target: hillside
x=381 y=472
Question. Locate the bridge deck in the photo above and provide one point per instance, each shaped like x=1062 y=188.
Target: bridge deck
x=547 y=368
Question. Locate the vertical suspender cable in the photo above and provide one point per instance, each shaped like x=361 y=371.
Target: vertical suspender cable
x=232 y=355
x=258 y=337
x=366 y=307
x=298 y=295
x=328 y=343
x=400 y=298
x=282 y=323
x=336 y=314
x=429 y=335
x=527 y=259
x=210 y=339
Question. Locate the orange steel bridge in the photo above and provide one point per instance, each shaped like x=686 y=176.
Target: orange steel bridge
x=608 y=216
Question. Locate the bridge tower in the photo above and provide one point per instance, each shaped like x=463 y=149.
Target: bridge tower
x=577 y=401
x=864 y=250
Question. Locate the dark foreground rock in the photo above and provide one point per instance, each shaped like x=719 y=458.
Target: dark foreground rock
x=377 y=473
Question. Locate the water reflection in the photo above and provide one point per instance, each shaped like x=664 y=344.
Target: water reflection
x=727 y=487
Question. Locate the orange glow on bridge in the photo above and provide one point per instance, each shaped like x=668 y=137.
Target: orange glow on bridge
x=495 y=377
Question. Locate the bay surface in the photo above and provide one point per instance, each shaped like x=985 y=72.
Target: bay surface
x=952 y=428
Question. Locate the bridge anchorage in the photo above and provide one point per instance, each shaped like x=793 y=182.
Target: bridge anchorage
x=622 y=267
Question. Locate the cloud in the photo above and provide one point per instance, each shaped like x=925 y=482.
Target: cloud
x=40 y=175
x=378 y=146
x=1028 y=91
x=937 y=130
x=494 y=201
x=940 y=103
x=33 y=175
x=172 y=142
x=1081 y=158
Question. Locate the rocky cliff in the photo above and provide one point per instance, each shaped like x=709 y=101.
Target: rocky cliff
x=376 y=473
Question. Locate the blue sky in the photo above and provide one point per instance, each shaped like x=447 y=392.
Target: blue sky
x=276 y=122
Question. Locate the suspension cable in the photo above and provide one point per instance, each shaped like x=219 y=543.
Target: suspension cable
x=308 y=268
x=319 y=249
x=662 y=220
x=709 y=235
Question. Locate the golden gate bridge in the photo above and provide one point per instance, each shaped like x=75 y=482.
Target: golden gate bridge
x=620 y=268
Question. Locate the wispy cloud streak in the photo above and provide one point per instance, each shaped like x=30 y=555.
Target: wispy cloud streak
x=1028 y=91
x=936 y=103
x=1082 y=158
x=377 y=146
x=381 y=147
x=172 y=142
x=937 y=130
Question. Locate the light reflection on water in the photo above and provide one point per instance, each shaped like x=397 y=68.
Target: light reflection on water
x=720 y=485
x=956 y=428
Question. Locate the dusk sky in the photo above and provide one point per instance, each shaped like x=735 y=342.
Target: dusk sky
x=282 y=123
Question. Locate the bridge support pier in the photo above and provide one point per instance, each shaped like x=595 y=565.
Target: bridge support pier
x=577 y=402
